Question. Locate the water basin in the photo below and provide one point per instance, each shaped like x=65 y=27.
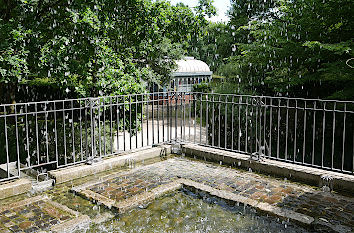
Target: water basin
x=185 y=211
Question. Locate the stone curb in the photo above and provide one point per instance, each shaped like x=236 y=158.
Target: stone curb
x=72 y=225
x=308 y=175
x=140 y=199
x=265 y=207
x=123 y=206
x=63 y=207
x=71 y=173
x=98 y=198
x=23 y=202
x=15 y=187
x=102 y=179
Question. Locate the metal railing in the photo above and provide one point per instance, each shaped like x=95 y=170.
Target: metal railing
x=47 y=135
x=311 y=132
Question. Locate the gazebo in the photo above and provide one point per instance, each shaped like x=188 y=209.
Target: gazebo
x=189 y=72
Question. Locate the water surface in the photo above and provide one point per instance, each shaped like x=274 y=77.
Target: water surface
x=184 y=211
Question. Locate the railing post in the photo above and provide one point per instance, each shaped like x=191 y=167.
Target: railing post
x=92 y=129
x=168 y=117
x=6 y=145
x=176 y=111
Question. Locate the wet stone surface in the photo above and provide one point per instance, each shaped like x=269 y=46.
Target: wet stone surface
x=61 y=194
x=323 y=206
x=183 y=211
x=124 y=187
x=32 y=217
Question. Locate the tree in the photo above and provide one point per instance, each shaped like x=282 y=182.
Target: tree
x=216 y=45
x=90 y=48
x=297 y=48
x=13 y=53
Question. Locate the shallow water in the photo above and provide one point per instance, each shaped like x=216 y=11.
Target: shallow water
x=184 y=211
x=180 y=211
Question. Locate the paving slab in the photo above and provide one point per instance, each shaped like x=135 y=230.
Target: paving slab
x=298 y=202
x=39 y=213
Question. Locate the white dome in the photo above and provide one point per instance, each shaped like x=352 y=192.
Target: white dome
x=188 y=65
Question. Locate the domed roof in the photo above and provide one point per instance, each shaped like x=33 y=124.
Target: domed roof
x=190 y=66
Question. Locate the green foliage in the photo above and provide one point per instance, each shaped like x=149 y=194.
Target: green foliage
x=205 y=7
x=216 y=45
x=293 y=48
x=87 y=48
x=201 y=87
x=13 y=54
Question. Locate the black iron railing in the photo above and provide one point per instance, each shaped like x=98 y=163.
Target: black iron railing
x=51 y=134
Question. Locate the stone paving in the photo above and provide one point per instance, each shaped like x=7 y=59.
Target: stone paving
x=328 y=209
x=61 y=195
x=121 y=188
x=332 y=211
x=35 y=214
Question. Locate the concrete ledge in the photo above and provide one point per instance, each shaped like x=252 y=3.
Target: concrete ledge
x=23 y=202
x=135 y=201
x=129 y=203
x=72 y=225
x=340 y=182
x=79 y=171
x=97 y=198
x=15 y=187
x=102 y=179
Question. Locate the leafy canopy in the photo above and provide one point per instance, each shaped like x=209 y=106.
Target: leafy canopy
x=91 y=48
x=294 y=48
